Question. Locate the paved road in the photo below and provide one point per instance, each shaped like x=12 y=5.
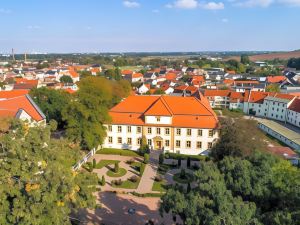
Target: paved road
x=115 y=207
x=147 y=180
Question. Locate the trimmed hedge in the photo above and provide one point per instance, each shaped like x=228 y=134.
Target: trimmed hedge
x=177 y=156
x=114 y=151
x=147 y=194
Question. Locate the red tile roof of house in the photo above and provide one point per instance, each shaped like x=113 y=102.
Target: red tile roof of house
x=185 y=111
x=25 y=84
x=171 y=76
x=236 y=82
x=12 y=93
x=228 y=81
x=275 y=79
x=13 y=105
x=222 y=93
x=191 y=89
x=73 y=72
x=127 y=72
x=137 y=75
x=295 y=105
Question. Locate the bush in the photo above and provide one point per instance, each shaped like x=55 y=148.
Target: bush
x=130 y=161
x=158 y=178
x=170 y=155
x=188 y=163
x=188 y=188
x=182 y=174
x=146 y=158
x=133 y=179
x=161 y=158
x=114 y=151
x=117 y=182
x=142 y=168
x=103 y=181
x=195 y=166
x=88 y=166
x=94 y=163
x=179 y=162
x=116 y=168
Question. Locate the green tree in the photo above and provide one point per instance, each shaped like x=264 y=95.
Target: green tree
x=294 y=63
x=52 y=103
x=37 y=184
x=66 y=79
x=273 y=88
x=245 y=59
x=89 y=112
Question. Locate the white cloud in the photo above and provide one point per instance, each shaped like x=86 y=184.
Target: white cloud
x=33 y=27
x=224 y=20
x=290 y=2
x=212 y=5
x=183 y=4
x=253 y=3
x=5 y=11
x=131 y=4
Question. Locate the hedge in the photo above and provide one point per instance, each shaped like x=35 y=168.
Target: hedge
x=114 y=151
x=177 y=156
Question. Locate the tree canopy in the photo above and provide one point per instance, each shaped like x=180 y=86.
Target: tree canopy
x=66 y=79
x=37 y=184
x=294 y=63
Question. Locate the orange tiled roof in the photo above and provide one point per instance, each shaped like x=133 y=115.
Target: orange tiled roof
x=127 y=72
x=137 y=75
x=73 y=72
x=275 y=79
x=295 y=106
x=228 y=81
x=22 y=102
x=185 y=111
x=246 y=82
x=223 y=93
x=171 y=76
x=12 y=93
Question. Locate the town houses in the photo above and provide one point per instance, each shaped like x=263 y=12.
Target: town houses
x=185 y=125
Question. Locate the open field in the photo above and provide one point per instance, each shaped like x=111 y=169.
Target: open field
x=271 y=56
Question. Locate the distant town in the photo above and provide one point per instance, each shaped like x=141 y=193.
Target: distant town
x=200 y=138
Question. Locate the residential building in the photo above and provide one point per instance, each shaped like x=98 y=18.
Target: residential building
x=185 y=125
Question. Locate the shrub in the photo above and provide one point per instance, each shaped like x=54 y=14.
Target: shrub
x=161 y=158
x=116 y=168
x=133 y=179
x=195 y=166
x=188 y=188
x=142 y=168
x=170 y=155
x=182 y=174
x=188 y=162
x=103 y=181
x=117 y=182
x=130 y=161
x=179 y=162
x=146 y=158
x=94 y=163
x=158 y=178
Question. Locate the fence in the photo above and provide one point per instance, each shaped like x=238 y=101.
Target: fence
x=84 y=159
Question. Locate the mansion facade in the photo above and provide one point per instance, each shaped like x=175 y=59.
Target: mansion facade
x=185 y=125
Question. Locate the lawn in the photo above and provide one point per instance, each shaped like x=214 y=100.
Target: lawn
x=120 y=173
x=127 y=184
x=104 y=163
x=159 y=186
x=114 y=151
x=234 y=113
x=136 y=166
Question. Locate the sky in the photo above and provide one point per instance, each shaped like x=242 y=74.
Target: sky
x=71 y=26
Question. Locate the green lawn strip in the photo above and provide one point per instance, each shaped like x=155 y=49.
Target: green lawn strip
x=232 y=113
x=159 y=186
x=136 y=166
x=188 y=179
x=114 y=151
x=120 y=173
x=127 y=184
x=148 y=194
x=104 y=162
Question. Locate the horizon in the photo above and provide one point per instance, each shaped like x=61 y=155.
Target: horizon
x=125 y=26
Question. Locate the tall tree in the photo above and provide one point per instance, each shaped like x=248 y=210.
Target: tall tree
x=37 y=184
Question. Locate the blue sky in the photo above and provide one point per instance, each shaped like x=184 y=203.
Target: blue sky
x=148 y=25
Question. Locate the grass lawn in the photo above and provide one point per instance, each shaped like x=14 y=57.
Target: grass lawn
x=128 y=184
x=159 y=186
x=187 y=179
x=136 y=166
x=114 y=151
x=120 y=173
x=232 y=113
x=104 y=163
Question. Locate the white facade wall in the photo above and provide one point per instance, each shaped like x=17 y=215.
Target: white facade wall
x=293 y=118
x=275 y=110
x=205 y=139
x=162 y=120
x=236 y=105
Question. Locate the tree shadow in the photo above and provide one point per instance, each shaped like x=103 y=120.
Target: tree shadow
x=115 y=211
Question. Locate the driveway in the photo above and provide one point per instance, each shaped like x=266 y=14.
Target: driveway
x=115 y=207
